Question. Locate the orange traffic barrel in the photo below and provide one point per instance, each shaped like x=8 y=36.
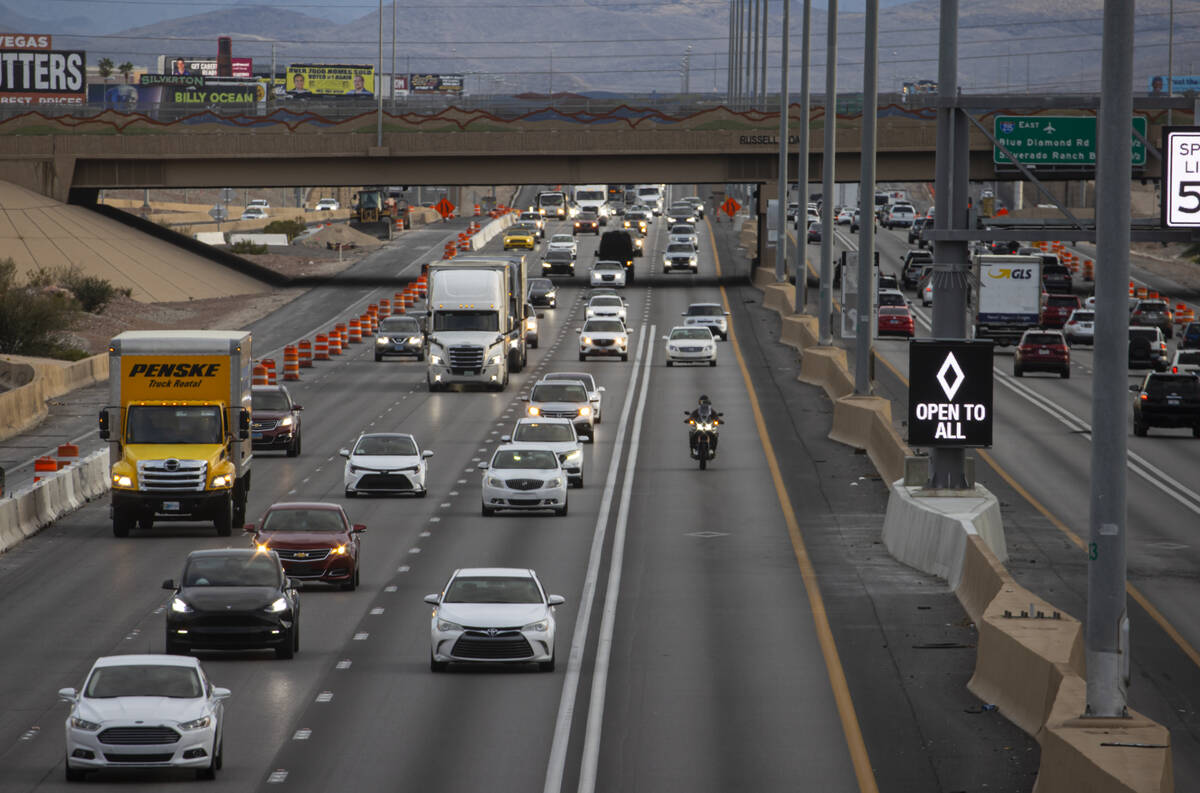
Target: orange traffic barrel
x=400 y=305
x=269 y=363
x=67 y=453
x=260 y=375
x=422 y=281
x=44 y=465
x=367 y=323
x=385 y=307
x=291 y=363
x=304 y=347
x=321 y=347
x=343 y=334
x=355 y=334
x=335 y=341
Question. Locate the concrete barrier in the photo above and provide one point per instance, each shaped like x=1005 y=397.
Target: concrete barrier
x=31 y=509
x=210 y=237
x=491 y=230
x=25 y=406
x=798 y=331
x=826 y=367
x=258 y=239
x=865 y=422
x=779 y=297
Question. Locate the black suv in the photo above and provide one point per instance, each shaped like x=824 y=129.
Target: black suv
x=1057 y=278
x=1167 y=400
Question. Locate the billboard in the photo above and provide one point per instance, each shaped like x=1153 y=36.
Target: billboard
x=330 y=79
x=182 y=92
x=206 y=67
x=1180 y=84
x=32 y=74
x=435 y=83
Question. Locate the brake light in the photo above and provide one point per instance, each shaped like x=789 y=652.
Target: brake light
x=1145 y=396
x=1174 y=370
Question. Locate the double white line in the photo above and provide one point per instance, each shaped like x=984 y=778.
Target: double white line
x=566 y=707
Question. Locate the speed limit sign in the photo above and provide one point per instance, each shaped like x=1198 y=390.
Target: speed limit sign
x=1181 y=177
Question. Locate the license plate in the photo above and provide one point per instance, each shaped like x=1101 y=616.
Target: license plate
x=1172 y=400
x=170 y=506
x=256 y=436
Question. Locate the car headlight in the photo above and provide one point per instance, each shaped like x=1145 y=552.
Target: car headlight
x=586 y=339
x=673 y=347
x=495 y=359
x=436 y=360
x=196 y=724
x=622 y=341
x=534 y=410
x=513 y=343
x=180 y=606
x=122 y=481
x=585 y=410
x=447 y=625
x=541 y=626
x=381 y=339
x=414 y=339
x=531 y=324
x=554 y=483
x=279 y=604
x=84 y=724
x=339 y=550
x=573 y=456
x=286 y=421
x=494 y=482
x=222 y=480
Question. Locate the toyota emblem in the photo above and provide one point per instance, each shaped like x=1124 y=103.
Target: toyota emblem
x=492 y=631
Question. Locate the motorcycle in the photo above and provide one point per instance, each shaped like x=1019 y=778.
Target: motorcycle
x=705 y=429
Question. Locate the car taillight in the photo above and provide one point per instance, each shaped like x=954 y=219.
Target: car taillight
x=1145 y=396
x=1174 y=370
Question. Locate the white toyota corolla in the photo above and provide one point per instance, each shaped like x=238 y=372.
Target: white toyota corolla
x=520 y=477
x=492 y=615
x=385 y=462
x=145 y=711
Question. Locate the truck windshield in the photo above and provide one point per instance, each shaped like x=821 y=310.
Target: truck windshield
x=550 y=199
x=173 y=424
x=369 y=200
x=465 y=320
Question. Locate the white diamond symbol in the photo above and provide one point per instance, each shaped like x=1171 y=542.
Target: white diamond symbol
x=950 y=365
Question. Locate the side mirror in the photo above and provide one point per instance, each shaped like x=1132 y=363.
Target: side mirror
x=344 y=452
x=506 y=438
x=168 y=584
x=104 y=432
x=630 y=330
x=297 y=407
x=432 y=599
x=483 y=465
x=219 y=693
x=427 y=453
x=67 y=694
x=358 y=528
x=293 y=583
x=555 y=600
x=525 y=399
x=1133 y=389
x=601 y=388
x=579 y=330
x=243 y=425
x=666 y=338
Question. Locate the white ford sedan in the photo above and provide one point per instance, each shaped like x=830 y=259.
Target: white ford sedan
x=492 y=615
x=523 y=478
x=145 y=711
x=385 y=462
x=691 y=344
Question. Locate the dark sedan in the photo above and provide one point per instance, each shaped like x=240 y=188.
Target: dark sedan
x=274 y=420
x=558 y=261
x=233 y=599
x=400 y=336
x=543 y=292
x=315 y=541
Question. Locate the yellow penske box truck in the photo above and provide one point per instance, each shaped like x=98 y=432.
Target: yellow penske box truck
x=178 y=420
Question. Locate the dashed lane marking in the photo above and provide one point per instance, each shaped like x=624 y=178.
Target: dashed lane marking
x=345 y=663
x=377 y=610
x=277 y=776
x=361 y=636
x=302 y=734
x=325 y=696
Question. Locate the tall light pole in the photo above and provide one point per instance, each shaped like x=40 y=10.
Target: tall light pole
x=379 y=88
x=393 y=56
x=801 y=268
x=864 y=328
x=824 y=319
x=763 y=58
x=752 y=65
x=782 y=202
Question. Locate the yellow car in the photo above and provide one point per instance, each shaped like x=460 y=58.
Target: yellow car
x=519 y=237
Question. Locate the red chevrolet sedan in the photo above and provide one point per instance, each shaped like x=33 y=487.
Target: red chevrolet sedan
x=315 y=541
x=896 y=321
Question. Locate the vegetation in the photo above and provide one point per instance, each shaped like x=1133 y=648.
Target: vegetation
x=91 y=292
x=126 y=69
x=246 y=246
x=292 y=228
x=34 y=317
x=105 y=67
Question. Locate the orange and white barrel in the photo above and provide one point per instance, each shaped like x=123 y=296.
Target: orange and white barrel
x=269 y=363
x=291 y=363
x=355 y=333
x=260 y=375
x=321 y=347
x=304 y=348
x=385 y=308
x=335 y=342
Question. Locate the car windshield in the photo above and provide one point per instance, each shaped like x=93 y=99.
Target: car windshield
x=1149 y=334
x=691 y=333
x=303 y=520
x=536 y=431
x=1063 y=301
x=446 y=321
x=1042 y=338
x=559 y=392
x=144 y=680
x=399 y=325
x=243 y=569
x=268 y=400
x=385 y=445
x=1188 y=357
x=604 y=326
x=680 y=247
x=550 y=199
x=704 y=310
x=1161 y=386
x=526 y=459
x=607 y=266
x=521 y=229
x=893 y=311
x=492 y=589
x=891 y=299
x=607 y=301
x=173 y=424
x=565 y=239
x=558 y=256
x=1084 y=316
x=588 y=381
x=1150 y=305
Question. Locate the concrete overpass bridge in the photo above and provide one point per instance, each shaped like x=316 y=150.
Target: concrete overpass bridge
x=73 y=156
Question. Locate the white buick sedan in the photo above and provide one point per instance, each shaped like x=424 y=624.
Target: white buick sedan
x=523 y=478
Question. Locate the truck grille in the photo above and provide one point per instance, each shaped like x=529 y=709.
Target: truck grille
x=172 y=475
x=466 y=357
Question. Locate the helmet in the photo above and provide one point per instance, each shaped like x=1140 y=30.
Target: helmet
x=704 y=400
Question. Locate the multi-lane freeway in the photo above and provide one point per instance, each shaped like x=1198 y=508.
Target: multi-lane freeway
x=739 y=628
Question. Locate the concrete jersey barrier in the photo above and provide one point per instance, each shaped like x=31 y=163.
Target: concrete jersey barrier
x=23 y=407
x=31 y=509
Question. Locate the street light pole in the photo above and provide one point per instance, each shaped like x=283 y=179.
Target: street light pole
x=393 y=56
x=800 y=270
x=825 y=317
x=782 y=201
x=763 y=57
x=379 y=88
x=864 y=328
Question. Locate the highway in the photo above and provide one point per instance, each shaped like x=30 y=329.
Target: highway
x=738 y=628
x=1042 y=459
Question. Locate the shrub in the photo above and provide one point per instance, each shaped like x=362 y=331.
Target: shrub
x=35 y=315
x=292 y=228
x=92 y=292
x=246 y=246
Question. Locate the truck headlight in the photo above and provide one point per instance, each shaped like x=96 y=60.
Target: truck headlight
x=222 y=480
x=585 y=411
x=436 y=360
x=534 y=410
x=495 y=359
x=120 y=480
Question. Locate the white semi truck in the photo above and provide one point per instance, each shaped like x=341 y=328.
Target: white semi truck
x=470 y=325
x=1008 y=296
x=595 y=198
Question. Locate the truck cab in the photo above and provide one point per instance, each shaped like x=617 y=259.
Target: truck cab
x=471 y=327
x=595 y=198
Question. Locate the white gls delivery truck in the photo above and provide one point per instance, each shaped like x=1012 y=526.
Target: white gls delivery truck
x=594 y=197
x=1007 y=295
x=469 y=326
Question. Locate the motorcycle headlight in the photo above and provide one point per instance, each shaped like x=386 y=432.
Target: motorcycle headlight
x=494 y=482
x=122 y=481
x=436 y=360
x=84 y=724
x=381 y=339
x=286 y=422
x=180 y=606
x=279 y=604
x=223 y=480
x=541 y=626
x=196 y=724
x=447 y=626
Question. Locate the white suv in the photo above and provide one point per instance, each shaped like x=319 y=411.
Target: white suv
x=899 y=216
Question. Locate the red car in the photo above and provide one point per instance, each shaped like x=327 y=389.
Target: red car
x=895 y=320
x=315 y=541
x=1042 y=351
x=274 y=420
x=1057 y=308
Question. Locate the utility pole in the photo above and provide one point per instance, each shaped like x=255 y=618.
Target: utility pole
x=379 y=88
x=272 y=71
x=865 y=329
x=393 y=56
x=801 y=268
x=781 y=203
x=1106 y=636
x=762 y=83
x=824 y=319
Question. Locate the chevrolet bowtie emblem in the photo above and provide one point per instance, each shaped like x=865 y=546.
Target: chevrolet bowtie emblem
x=301 y=556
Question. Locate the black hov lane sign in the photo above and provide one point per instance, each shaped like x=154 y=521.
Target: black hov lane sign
x=949 y=393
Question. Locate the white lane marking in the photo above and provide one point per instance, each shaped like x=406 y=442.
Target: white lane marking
x=345 y=663
x=325 y=696
x=302 y=734
x=31 y=733
x=426 y=534
x=454 y=492
x=377 y=610
x=414 y=550
x=361 y=636
x=403 y=568
x=292 y=492
x=390 y=588
x=566 y=705
x=434 y=519
x=444 y=504
x=277 y=776
x=463 y=481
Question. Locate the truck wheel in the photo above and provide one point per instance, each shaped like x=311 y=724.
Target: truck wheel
x=582 y=356
x=224 y=518
x=122 y=521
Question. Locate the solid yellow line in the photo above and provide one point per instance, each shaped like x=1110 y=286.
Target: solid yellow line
x=833 y=664
x=1132 y=590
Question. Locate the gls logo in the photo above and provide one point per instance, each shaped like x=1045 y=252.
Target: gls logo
x=1012 y=273
x=174 y=370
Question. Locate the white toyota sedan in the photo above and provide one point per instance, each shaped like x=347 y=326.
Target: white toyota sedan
x=385 y=462
x=558 y=435
x=691 y=344
x=498 y=615
x=145 y=711
x=524 y=478
x=563 y=242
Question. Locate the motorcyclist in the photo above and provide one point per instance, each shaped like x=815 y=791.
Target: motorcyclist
x=704 y=412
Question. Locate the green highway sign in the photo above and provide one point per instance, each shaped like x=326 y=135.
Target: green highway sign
x=1059 y=141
